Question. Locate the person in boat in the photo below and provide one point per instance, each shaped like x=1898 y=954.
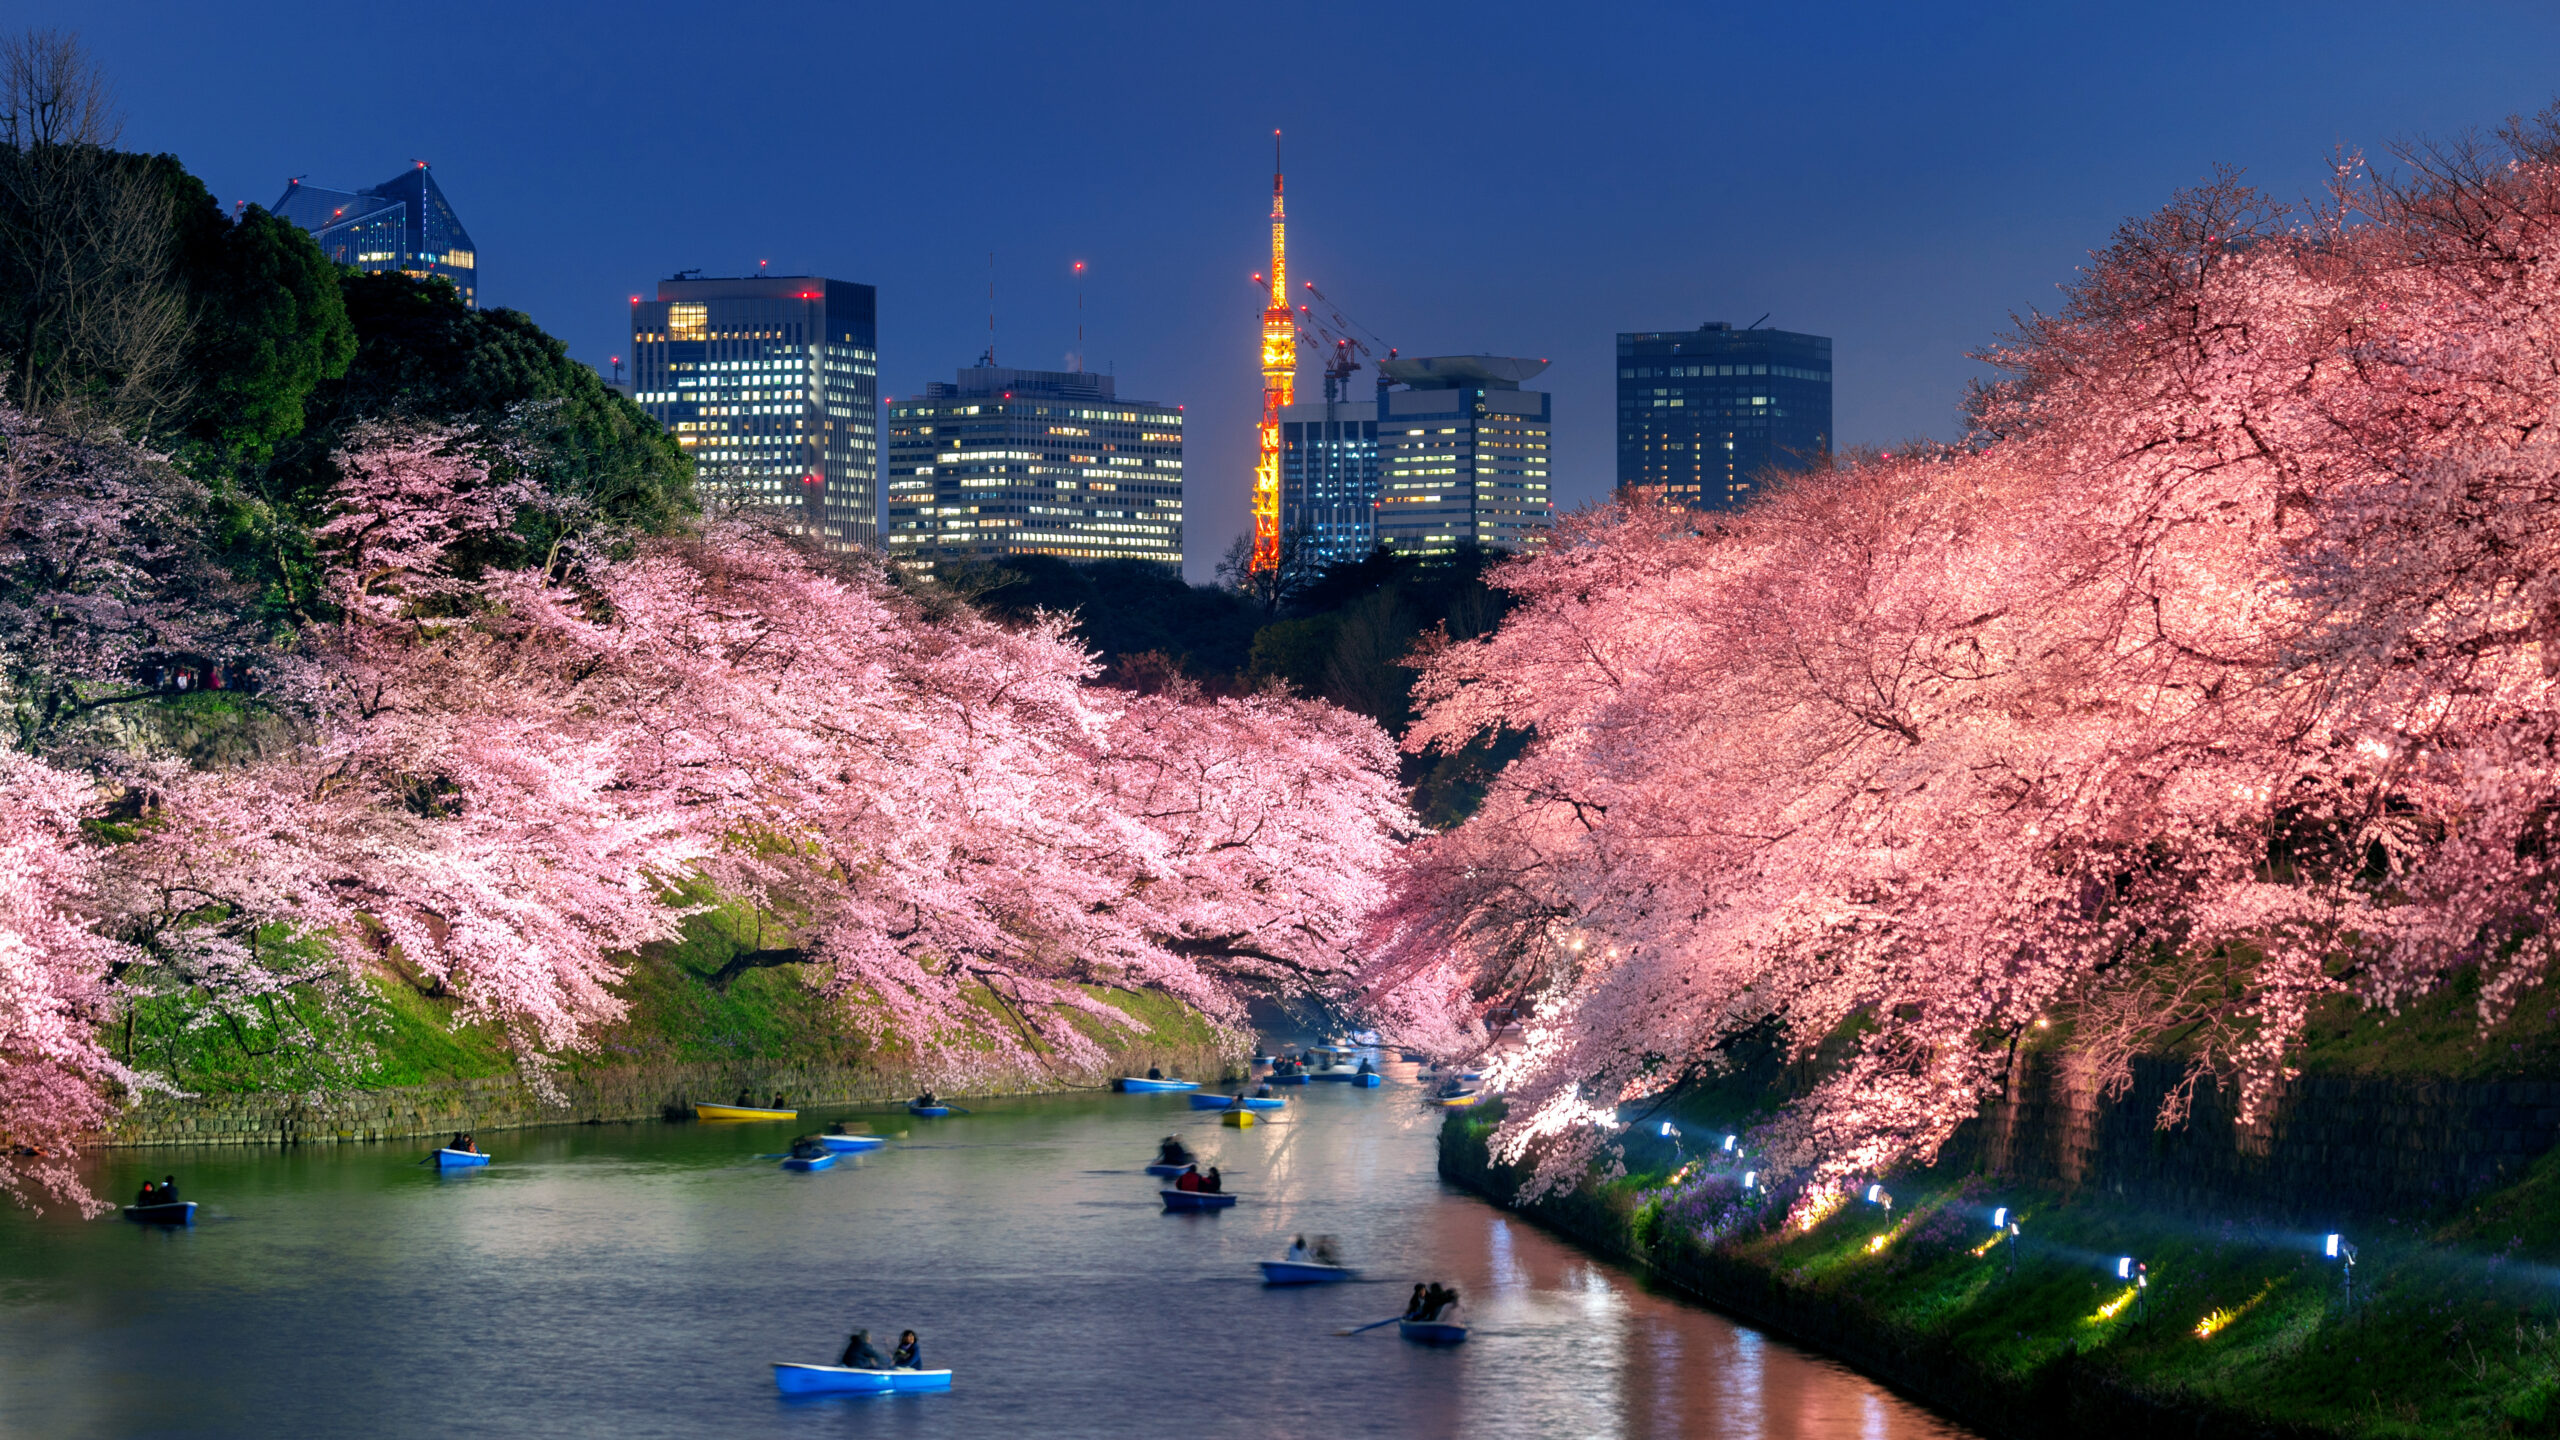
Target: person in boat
x=1210 y=1184
x=1154 y=1074
x=168 y=1190
x=1189 y=1179
x=1325 y=1253
x=1172 y=1152
x=838 y=1129
x=1297 y=1252
x=1436 y=1301
x=924 y=1100
x=807 y=1147
x=861 y=1354
x=910 y=1353
x=1366 y=1068
x=1264 y=1093
x=746 y=1098
x=1413 y=1307
x=150 y=1193
x=779 y=1103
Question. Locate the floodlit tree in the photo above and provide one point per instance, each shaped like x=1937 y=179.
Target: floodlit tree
x=2209 y=683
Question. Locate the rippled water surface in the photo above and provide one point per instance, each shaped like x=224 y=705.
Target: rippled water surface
x=635 y=1281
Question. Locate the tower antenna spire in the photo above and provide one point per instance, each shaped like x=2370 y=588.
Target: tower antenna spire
x=1279 y=381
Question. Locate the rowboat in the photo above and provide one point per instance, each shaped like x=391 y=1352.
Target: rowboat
x=1301 y=1272
x=1237 y=1118
x=1366 y=1082
x=930 y=1112
x=843 y=1380
x=176 y=1212
x=1457 y=1102
x=851 y=1144
x=1196 y=1200
x=1208 y=1101
x=1138 y=1085
x=1343 y=1072
x=741 y=1112
x=459 y=1159
x=1298 y=1078
x=813 y=1162
x=1432 y=1332
x=1168 y=1169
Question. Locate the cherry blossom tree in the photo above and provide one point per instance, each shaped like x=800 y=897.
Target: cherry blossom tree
x=2208 y=683
x=53 y=962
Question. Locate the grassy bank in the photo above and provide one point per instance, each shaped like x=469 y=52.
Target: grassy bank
x=2454 y=1329
x=769 y=1017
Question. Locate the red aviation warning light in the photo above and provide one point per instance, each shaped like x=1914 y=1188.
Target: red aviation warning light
x=1279 y=381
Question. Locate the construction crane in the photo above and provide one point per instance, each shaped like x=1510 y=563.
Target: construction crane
x=1338 y=336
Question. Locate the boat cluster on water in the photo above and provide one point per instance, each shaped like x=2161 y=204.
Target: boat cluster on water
x=1350 y=1060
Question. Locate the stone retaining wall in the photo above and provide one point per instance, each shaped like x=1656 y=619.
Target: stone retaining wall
x=2347 y=1145
x=646 y=1092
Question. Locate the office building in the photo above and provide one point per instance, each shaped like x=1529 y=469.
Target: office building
x=401 y=224
x=772 y=384
x=1462 y=454
x=1032 y=462
x=1329 y=478
x=1703 y=414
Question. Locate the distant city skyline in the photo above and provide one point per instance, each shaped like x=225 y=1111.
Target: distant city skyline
x=403 y=224
x=1861 y=175
x=1705 y=414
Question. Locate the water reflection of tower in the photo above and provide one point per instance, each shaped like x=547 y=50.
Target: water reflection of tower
x=1279 y=381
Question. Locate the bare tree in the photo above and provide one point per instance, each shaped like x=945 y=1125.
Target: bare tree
x=92 y=313
x=51 y=94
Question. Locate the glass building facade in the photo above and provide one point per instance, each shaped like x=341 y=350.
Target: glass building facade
x=402 y=224
x=772 y=385
x=1329 y=478
x=1032 y=462
x=1703 y=413
x=1463 y=455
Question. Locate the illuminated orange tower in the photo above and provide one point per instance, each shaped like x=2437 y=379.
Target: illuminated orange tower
x=1279 y=381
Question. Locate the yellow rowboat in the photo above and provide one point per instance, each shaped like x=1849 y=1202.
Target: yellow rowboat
x=1455 y=1102
x=1237 y=1118
x=741 y=1112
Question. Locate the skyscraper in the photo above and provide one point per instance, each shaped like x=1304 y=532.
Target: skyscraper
x=1033 y=462
x=401 y=224
x=1329 y=478
x=772 y=384
x=1701 y=413
x=1462 y=454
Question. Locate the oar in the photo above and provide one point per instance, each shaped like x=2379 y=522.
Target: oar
x=1372 y=1325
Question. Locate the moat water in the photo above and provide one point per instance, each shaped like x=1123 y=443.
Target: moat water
x=638 y=1281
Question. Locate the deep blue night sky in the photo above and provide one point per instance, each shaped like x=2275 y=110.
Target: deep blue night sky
x=1523 y=179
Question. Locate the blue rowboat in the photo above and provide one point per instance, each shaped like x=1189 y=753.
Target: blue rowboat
x=1138 y=1085
x=1366 y=1082
x=1196 y=1200
x=459 y=1159
x=841 y=1380
x=930 y=1112
x=1299 y=1078
x=1340 y=1075
x=1228 y=1102
x=1168 y=1169
x=1432 y=1332
x=851 y=1144
x=814 y=1162
x=176 y=1212
x=1299 y=1272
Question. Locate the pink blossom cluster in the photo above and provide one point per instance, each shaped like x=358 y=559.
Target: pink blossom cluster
x=497 y=784
x=2214 y=677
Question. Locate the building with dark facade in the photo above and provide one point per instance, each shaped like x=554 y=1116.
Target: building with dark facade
x=1329 y=478
x=401 y=224
x=1463 y=454
x=772 y=384
x=1032 y=462
x=1703 y=413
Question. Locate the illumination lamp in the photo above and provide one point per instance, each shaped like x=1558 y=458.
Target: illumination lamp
x=1728 y=1144
x=2341 y=1249
x=2000 y=1218
x=1750 y=1178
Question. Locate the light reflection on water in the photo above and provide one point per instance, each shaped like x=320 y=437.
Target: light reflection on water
x=635 y=1281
